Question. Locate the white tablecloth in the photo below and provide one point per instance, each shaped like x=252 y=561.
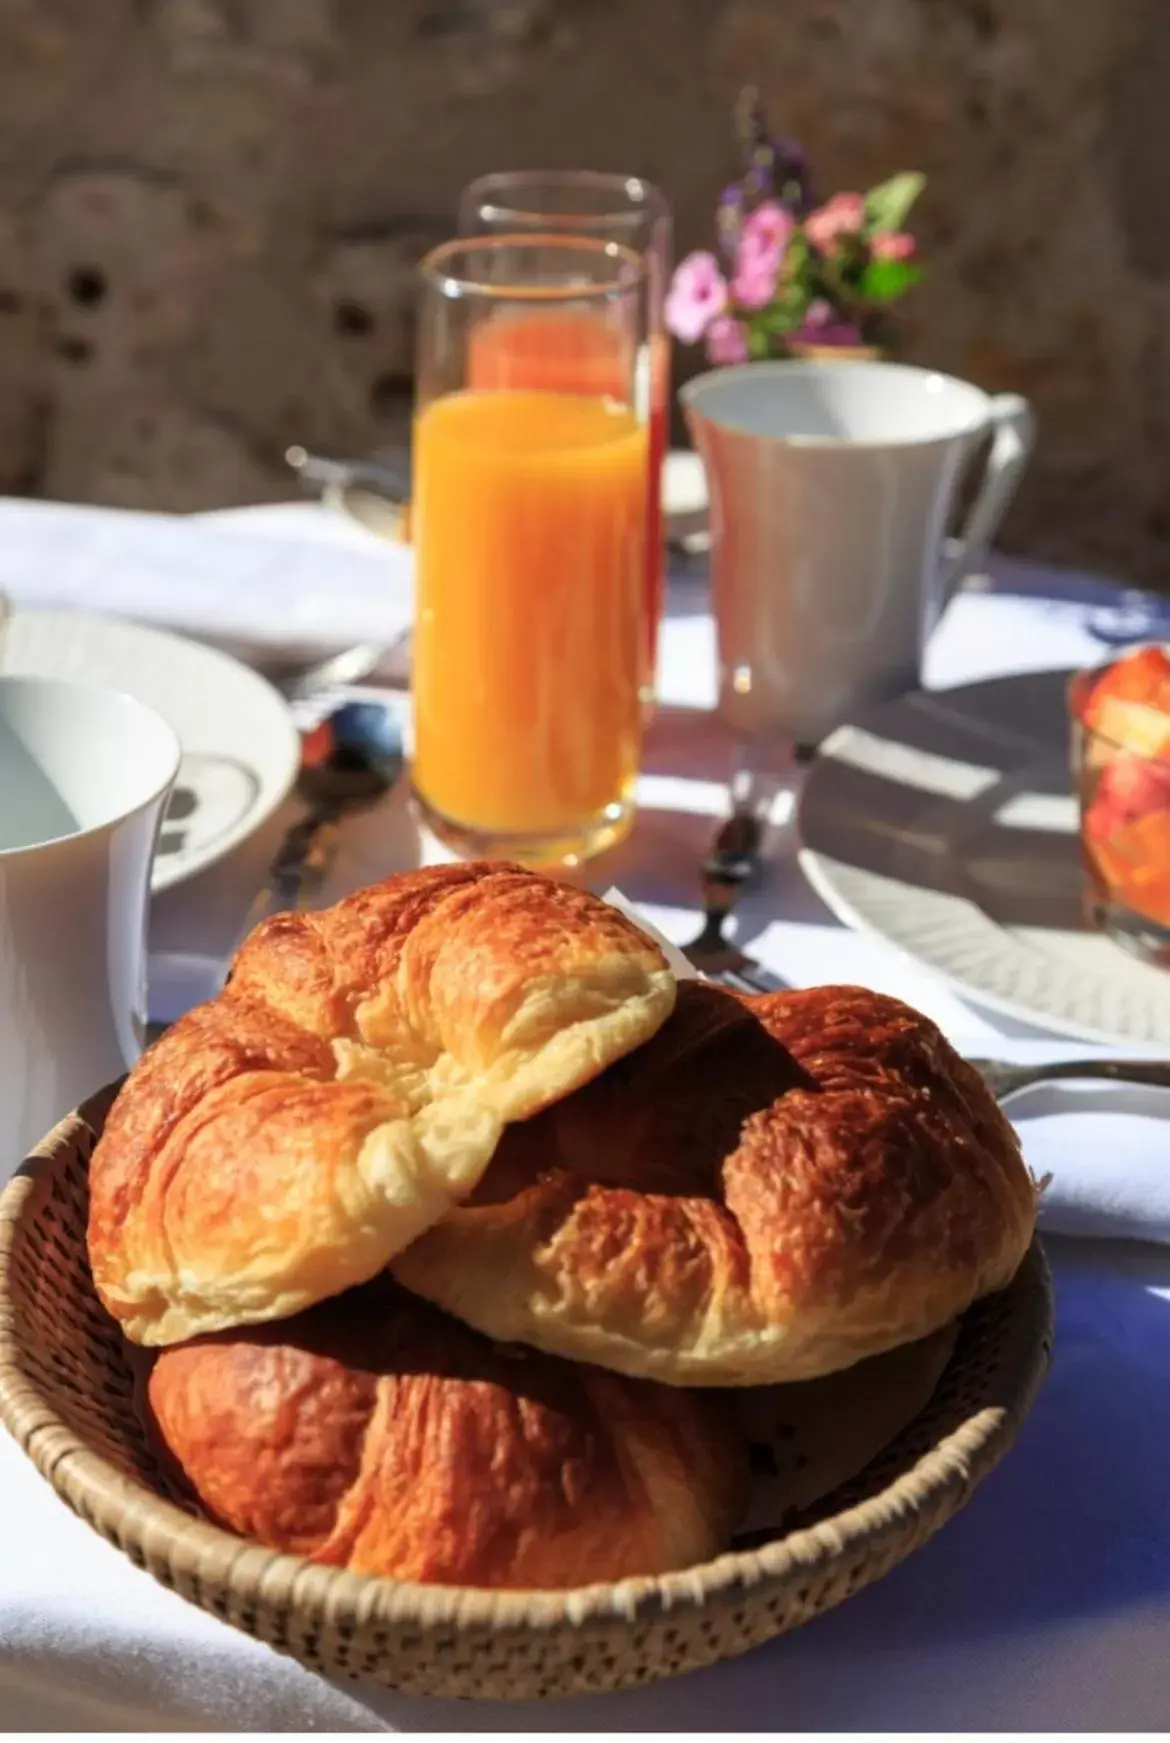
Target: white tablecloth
x=1044 y=1605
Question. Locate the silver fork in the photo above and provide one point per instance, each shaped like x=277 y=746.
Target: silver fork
x=1006 y=1080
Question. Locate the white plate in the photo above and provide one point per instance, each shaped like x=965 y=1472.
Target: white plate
x=240 y=747
x=945 y=823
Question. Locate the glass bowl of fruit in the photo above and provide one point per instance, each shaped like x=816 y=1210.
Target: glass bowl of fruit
x=1121 y=766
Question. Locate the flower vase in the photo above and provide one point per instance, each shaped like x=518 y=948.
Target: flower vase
x=810 y=353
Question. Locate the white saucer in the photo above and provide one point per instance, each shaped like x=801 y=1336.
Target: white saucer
x=241 y=750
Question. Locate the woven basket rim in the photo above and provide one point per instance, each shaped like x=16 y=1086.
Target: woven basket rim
x=135 y=1515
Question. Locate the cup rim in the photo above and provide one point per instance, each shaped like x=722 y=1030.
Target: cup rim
x=628 y=277
x=692 y=392
x=162 y=728
x=647 y=204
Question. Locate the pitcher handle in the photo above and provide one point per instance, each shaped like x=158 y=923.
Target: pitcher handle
x=1014 y=423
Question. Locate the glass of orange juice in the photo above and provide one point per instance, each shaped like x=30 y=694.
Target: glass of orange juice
x=529 y=524
x=614 y=208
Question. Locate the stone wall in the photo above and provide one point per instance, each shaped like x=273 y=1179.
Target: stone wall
x=209 y=211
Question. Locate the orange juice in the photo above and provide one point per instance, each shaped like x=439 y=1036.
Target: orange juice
x=555 y=352
x=530 y=515
x=579 y=353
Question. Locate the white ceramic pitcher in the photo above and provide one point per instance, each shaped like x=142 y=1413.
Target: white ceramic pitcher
x=830 y=487
x=84 y=777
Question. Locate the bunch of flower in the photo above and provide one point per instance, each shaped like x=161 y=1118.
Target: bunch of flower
x=790 y=273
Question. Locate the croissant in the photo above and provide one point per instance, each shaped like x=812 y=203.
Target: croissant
x=376 y=1434
x=771 y=1189
x=281 y=1143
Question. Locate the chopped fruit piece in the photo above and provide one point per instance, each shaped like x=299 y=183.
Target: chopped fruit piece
x=1130 y=786
x=1142 y=676
x=1133 y=726
x=1133 y=864
x=1125 y=777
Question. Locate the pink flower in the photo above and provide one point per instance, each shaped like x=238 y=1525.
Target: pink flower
x=762 y=242
x=766 y=231
x=892 y=245
x=755 y=279
x=726 y=342
x=698 y=292
x=843 y=215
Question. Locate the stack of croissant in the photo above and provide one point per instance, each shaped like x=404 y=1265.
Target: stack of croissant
x=461 y=1230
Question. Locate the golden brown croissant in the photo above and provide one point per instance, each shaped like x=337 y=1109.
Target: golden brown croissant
x=376 y=1434
x=283 y=1142
x=771 y=1189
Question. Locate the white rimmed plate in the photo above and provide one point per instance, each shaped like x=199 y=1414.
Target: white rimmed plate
x=241 y=750
x=945 y=823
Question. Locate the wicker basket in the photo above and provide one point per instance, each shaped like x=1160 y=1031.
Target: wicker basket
x=67 y=1395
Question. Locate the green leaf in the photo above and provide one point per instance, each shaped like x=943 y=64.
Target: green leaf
x=888 y=205
x=797 y=258
x=758 y=346
x=781 y=319
x=884 y=281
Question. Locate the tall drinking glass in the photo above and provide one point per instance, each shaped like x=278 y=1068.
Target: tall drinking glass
x=613 y=208
x=530 y=531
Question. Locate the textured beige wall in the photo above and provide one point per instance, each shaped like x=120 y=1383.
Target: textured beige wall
x=209 y=210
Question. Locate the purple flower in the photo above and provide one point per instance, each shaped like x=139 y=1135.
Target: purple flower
x=728 y=218
x=793 y=183
x=698 y=293
x=726 y=341
x=824 y=326
x=774 y=168
x=819 y=313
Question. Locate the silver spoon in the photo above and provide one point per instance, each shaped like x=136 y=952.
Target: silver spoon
x=375 y=492
x=730 y=867
x=351 y=666
x=349 y=761
x=387 y=478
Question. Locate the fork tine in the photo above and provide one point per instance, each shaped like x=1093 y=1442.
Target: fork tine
x=745 y=978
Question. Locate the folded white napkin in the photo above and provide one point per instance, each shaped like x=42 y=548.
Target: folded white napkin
x=1106 y=1147
x=275 y=590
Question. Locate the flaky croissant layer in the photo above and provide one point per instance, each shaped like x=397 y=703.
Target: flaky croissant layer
x=376 y=1434
x=350 y=1085
x=770 y=1189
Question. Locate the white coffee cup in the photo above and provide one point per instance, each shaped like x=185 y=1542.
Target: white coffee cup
x=84 y=778
x=831 y=485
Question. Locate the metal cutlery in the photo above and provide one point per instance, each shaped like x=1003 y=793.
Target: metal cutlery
x=387 y=478
x=351 y=666
x=1006 y=1080
x=376 y=493
x=350 y=760
x=730 y=867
